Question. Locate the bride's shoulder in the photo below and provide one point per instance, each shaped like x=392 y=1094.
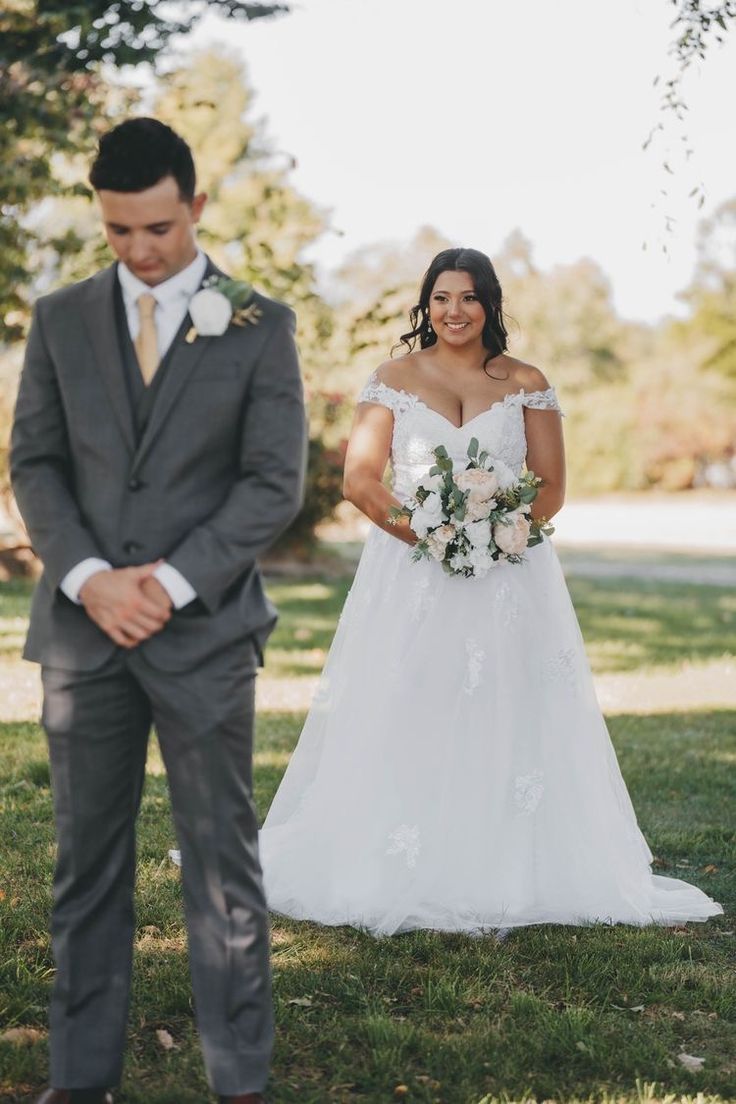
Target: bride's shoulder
x=395 y=372
x=526 y=377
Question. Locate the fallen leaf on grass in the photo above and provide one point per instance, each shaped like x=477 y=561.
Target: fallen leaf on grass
x=401 y=1090
x=302 y=1002
x=21 y=1036
x=2 y=894
x=711 y=868
x=678 y=1015
x=629 y=1007
x=165 y=1040
x=690 y=1062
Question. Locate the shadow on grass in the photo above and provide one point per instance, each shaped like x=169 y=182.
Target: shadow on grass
x=551 y=1012
x=628 y=624
x=308 y=616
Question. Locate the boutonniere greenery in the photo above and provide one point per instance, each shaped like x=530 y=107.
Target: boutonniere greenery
x=218 y=303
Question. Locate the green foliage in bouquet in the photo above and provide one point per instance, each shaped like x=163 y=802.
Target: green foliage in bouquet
x=504 y=507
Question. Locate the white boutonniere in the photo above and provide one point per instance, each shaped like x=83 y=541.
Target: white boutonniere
x=218 y=303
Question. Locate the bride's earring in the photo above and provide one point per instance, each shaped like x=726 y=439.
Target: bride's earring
x=429 y=326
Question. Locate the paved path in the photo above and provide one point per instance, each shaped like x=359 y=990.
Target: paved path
x=701 y=523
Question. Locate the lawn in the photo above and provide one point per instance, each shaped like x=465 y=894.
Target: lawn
x=549 y=1014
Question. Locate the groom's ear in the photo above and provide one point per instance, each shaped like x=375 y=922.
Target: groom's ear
x=197 y=206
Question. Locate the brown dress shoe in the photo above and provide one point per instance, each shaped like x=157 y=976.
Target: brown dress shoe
x=75 y=1096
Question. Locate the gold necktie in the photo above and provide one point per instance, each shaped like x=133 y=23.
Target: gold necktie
x=146 y=343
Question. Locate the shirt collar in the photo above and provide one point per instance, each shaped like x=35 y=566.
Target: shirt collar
x=181 y=286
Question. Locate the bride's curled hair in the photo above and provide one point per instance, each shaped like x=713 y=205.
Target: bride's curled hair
x=487 y=288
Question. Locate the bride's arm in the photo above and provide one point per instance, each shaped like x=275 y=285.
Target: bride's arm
x=367 y=455
x=545 y=456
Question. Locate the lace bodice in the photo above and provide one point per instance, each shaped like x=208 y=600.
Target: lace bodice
x=418 y=429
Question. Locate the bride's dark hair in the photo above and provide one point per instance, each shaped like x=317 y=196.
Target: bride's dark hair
x=487 y=288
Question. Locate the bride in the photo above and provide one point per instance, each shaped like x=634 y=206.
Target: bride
x=455 y=771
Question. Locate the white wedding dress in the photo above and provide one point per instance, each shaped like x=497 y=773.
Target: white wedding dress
x=455 y=771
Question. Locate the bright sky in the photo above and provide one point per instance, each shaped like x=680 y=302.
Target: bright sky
x=481 y=116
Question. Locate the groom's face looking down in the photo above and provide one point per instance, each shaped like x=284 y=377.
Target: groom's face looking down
x=152 y=231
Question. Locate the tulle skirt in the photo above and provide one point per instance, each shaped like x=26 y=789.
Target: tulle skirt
x=455 y=771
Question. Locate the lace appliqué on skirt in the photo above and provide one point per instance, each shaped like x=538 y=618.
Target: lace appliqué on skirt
x=405 y=840
x=476 y=657
x=528 y=791
x=560 y=670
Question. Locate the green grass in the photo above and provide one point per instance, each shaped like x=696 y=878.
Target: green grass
x=587 y=1014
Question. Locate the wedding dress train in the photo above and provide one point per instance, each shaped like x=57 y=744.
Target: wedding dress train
x=455 y=771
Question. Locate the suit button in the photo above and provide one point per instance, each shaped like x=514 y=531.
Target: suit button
x=135 y=484
x=132 y=546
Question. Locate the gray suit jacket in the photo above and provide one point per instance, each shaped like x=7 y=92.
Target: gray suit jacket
x=216 y=476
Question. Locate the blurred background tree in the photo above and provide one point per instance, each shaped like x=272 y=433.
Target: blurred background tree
x=648 y=406
x=60 y=86
x=64 y=79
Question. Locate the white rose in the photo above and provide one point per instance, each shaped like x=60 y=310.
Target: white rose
x=459 y=561
x=432 y=507
x=481 y=560
x=504 y=474
x=428 y=516
x=431 y=482
x=512 y=536
x=419 y=523
x=210 y=312
x=479 y=533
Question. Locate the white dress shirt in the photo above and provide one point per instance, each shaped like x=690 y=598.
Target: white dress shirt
x=172 y=302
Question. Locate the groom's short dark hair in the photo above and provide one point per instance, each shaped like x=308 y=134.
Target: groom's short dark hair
x=138 y=153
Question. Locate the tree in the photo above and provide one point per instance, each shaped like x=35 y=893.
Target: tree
x=374 y=290
x=55 y=91
x=712 y=294
x=563 y=320
x=697 y=26
x=256 y=226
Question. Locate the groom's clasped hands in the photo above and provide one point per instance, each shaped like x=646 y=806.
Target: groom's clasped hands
x=128 y=603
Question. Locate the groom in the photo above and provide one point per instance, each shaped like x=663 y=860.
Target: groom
x=152 y=466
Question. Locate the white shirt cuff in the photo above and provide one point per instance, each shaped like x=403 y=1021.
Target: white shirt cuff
x=176 y=586
x=75 y=579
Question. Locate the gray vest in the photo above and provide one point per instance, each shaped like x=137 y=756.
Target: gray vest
x=141 y=398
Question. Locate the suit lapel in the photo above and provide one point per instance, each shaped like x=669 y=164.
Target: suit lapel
x=99 y=318
x=184 y=359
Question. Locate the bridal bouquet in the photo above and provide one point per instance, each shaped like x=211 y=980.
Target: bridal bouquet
x=468 y=520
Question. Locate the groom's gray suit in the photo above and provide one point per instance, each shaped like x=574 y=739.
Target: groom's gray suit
x=203 y=469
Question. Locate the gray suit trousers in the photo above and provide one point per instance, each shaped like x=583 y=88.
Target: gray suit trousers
x=98 y=725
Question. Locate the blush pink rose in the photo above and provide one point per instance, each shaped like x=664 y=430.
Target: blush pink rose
x=439 y=540
x=478 y=511
x=481 y=484
x=512 y=537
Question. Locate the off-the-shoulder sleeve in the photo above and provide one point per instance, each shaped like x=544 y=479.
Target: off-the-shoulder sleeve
x=542 y=400
x=375 y=391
